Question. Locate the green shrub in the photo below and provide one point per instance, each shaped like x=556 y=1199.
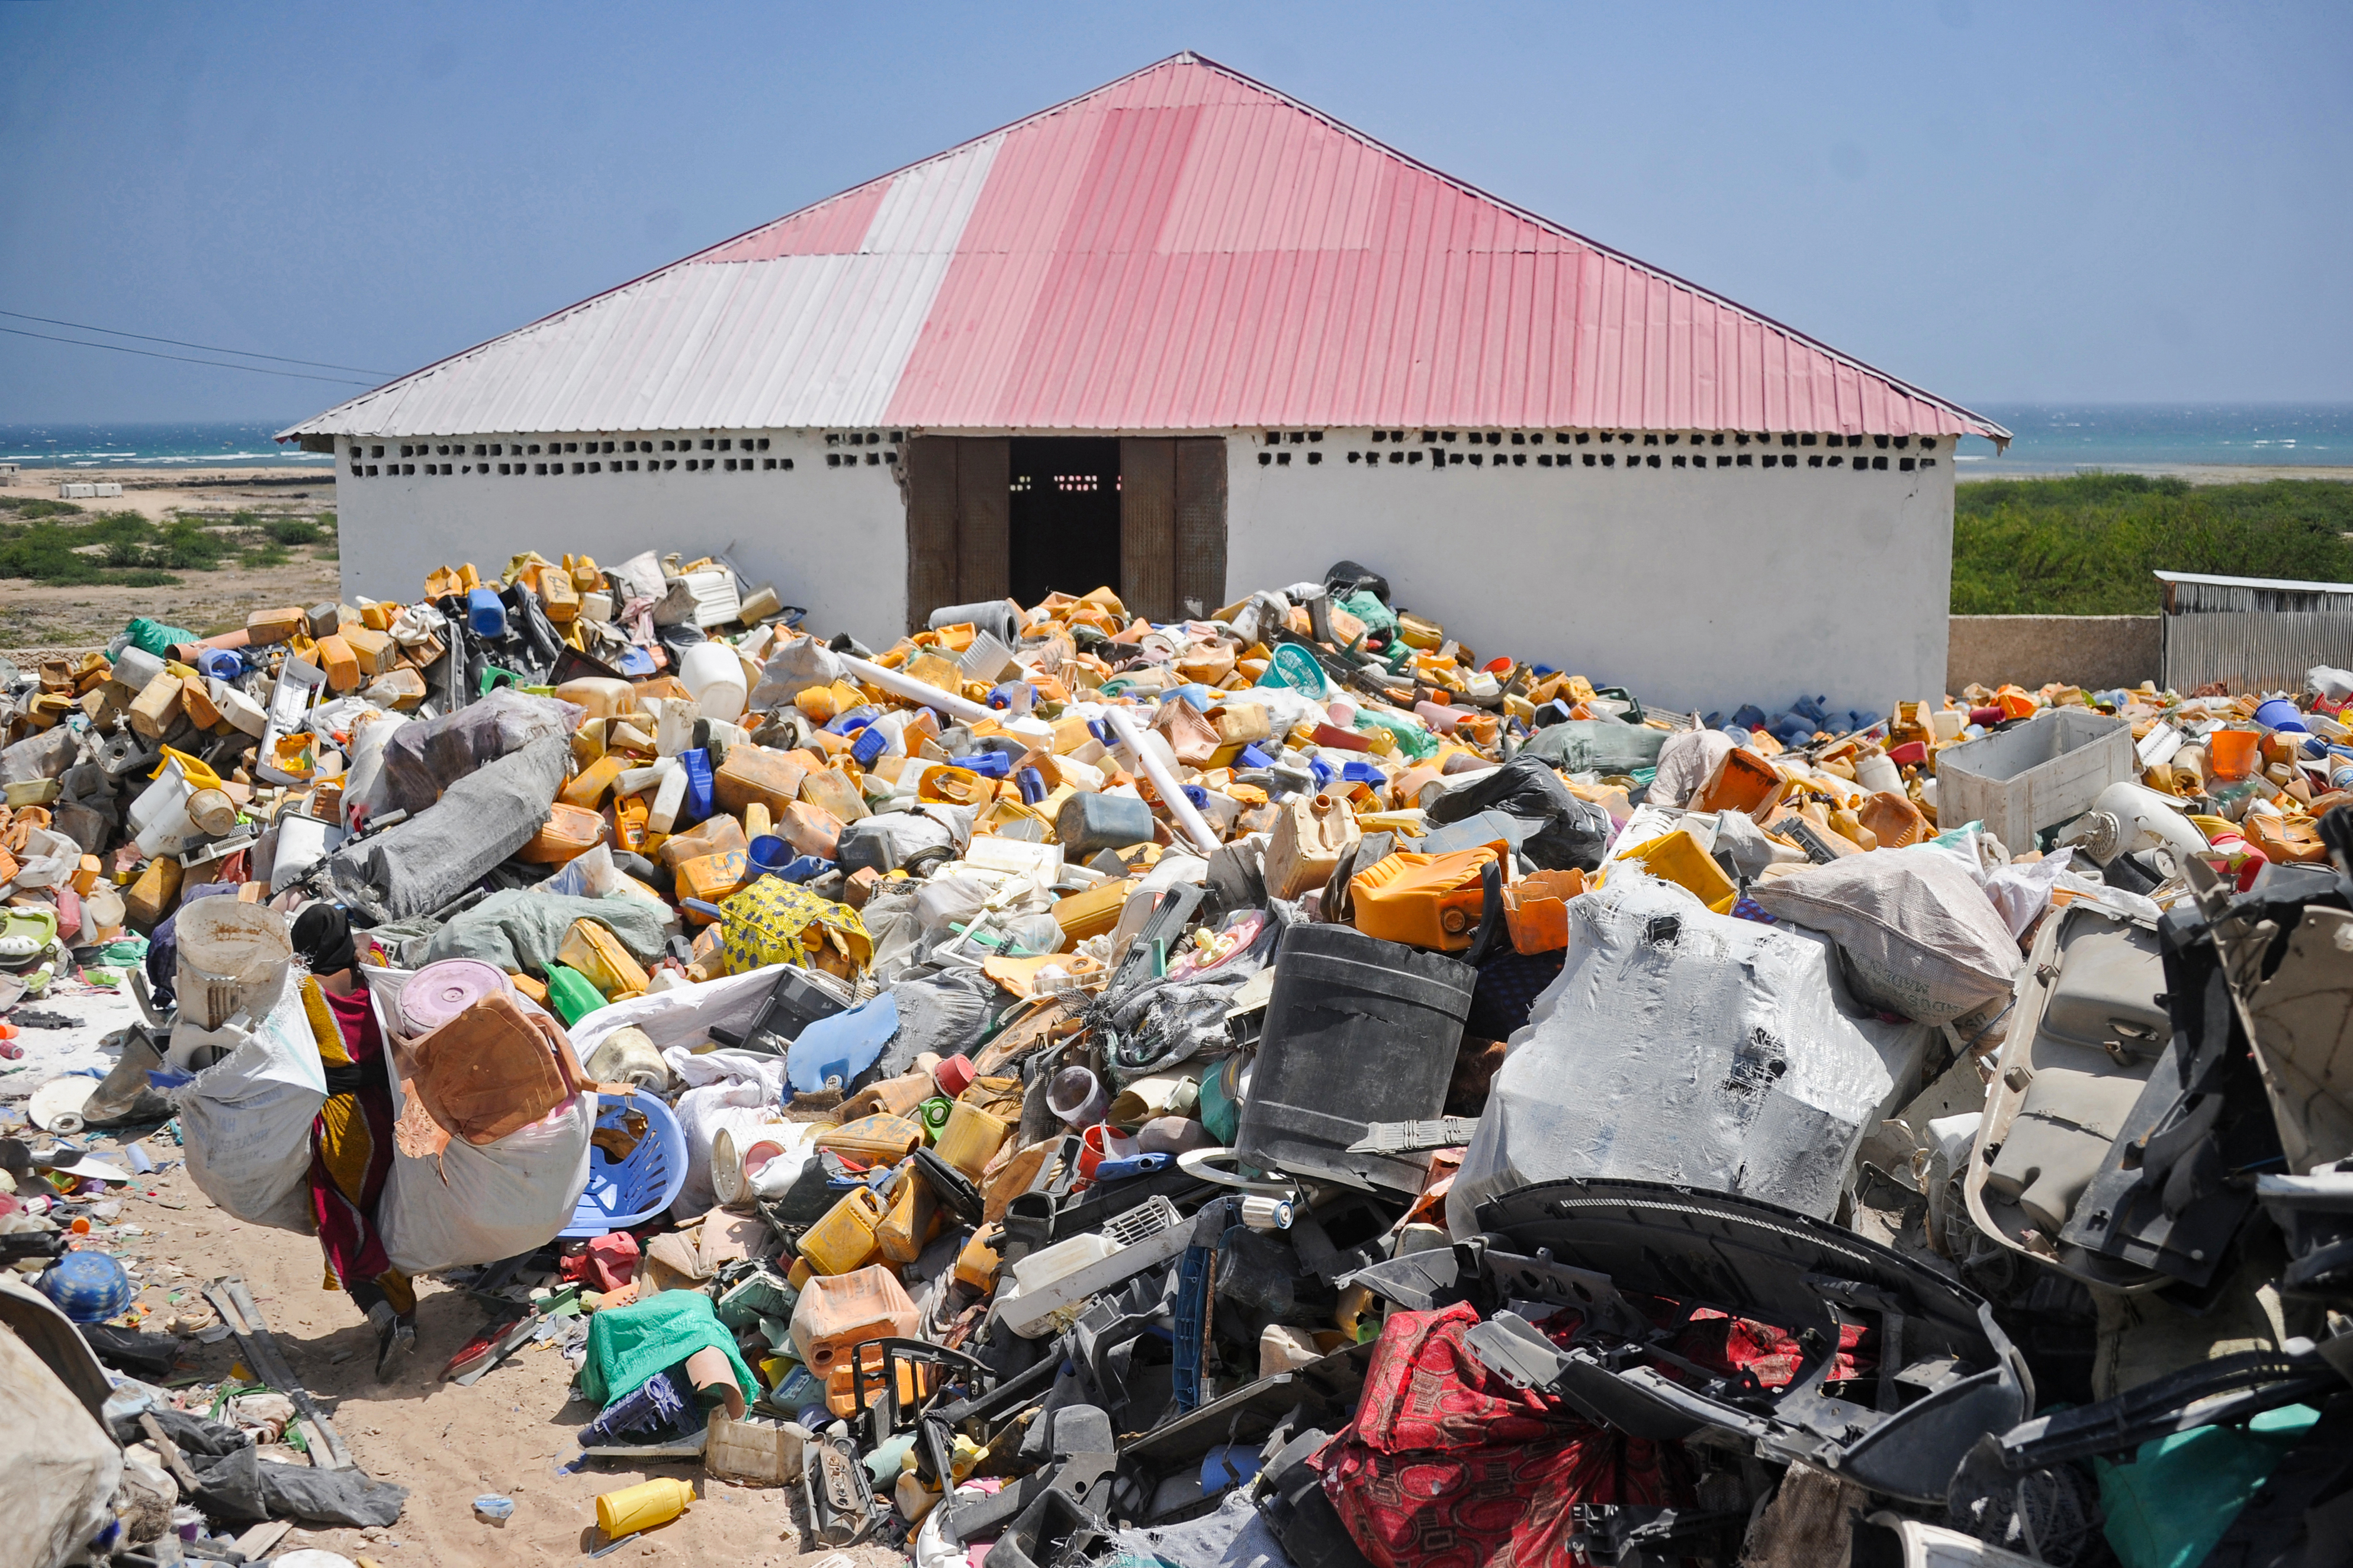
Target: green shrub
x=2086 y=546
x=294 y=531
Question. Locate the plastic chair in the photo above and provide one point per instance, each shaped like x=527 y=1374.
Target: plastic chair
x=632 y=1190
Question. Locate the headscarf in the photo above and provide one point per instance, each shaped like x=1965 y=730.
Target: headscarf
x=323 y=935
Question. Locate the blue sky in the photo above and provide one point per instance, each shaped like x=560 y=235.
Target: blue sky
x=1998 y=202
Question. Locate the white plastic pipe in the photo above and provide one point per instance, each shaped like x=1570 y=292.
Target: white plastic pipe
x=1172 y=793
x=914 y=691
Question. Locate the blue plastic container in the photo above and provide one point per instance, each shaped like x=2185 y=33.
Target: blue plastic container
x=88 y=1286
x=485 y=615
x=869 y=746
x=632 y=1190
x=768 y=854
x=2279 y=713
x=700 y=800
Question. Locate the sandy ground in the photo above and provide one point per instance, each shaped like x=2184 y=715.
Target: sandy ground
x=34 y=619
x=510 y=1433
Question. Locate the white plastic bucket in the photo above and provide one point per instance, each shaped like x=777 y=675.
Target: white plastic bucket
x=232 y=958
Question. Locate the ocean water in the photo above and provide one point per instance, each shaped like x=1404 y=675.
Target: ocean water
x=154 y=446
x=2063 y=438
x=2051 y=438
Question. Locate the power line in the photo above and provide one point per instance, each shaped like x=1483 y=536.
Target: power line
x=208 y=348
x=183 y=359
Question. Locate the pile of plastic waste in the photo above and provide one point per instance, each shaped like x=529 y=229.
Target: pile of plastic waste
x=1276 y=1087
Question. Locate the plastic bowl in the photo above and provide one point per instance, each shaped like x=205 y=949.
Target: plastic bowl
x=631 y=1191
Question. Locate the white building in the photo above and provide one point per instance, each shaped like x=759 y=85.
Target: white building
x=1189 y=337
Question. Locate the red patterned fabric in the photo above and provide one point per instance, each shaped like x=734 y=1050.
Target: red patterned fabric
x=1448 y=1465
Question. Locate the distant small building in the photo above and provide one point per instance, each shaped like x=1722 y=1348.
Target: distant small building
x=88 y=490
x=8 y=473
x=1188 y=337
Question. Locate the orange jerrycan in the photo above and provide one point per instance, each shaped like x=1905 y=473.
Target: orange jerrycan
x=1424 y=901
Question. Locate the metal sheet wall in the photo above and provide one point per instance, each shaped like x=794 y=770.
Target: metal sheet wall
x=2255 y=650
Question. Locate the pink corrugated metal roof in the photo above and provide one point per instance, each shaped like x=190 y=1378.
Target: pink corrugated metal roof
x=1184 y=250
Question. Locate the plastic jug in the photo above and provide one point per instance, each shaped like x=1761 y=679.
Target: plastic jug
x=1424 y=901
x=1677 y=857
x=485 y=614
x=971 y=1138
x=714 y=675
x=643 y=1506
x=836 y=1312
x=1089 y=823
x=844 y=1239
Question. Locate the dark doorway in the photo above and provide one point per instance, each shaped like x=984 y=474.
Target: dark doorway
x=1063 y=516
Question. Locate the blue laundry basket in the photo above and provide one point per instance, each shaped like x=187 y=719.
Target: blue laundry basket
x=634 y=1190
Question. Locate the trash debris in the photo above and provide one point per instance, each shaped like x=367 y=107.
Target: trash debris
x=1270 y=1082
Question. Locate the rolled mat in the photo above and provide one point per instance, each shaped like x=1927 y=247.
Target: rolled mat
x=440 y=992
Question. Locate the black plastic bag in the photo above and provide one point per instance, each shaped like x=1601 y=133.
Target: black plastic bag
x=1570 y=832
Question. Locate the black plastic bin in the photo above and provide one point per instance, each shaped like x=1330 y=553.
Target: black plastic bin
x=1359 y=1030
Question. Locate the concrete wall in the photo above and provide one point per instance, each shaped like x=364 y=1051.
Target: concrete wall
x=1696 y=589
x=2097 y=652
x=831 y=538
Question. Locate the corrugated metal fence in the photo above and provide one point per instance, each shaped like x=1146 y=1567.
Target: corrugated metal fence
x=2252 y=634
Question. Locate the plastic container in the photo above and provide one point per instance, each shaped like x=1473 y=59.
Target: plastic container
x=1425 y=901
x=486 y=614
x=713 y=675
x=838 y=1312
x=1091 y=823
x=630 y=1192
x=643 y=1506
x=794 y=1002
x=844 y=1240
x=2233 y=752
x=769 y=855
x=234 y=958
x=2280 y=713
x=1678 y=858
x=1358 y=1030
x=572 y=994
x=971 y=1138
x=1077 y=1098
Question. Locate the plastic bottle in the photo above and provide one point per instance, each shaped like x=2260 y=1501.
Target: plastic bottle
x=643 y=1506
x=714 y=675
x=1875 y=773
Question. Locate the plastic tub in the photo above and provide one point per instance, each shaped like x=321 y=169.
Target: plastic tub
x=630 y=1192
x=2279 y=713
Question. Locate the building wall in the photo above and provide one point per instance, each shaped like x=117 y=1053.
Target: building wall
x=1694 y=590
x=2095 y=652
x=830 y=536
